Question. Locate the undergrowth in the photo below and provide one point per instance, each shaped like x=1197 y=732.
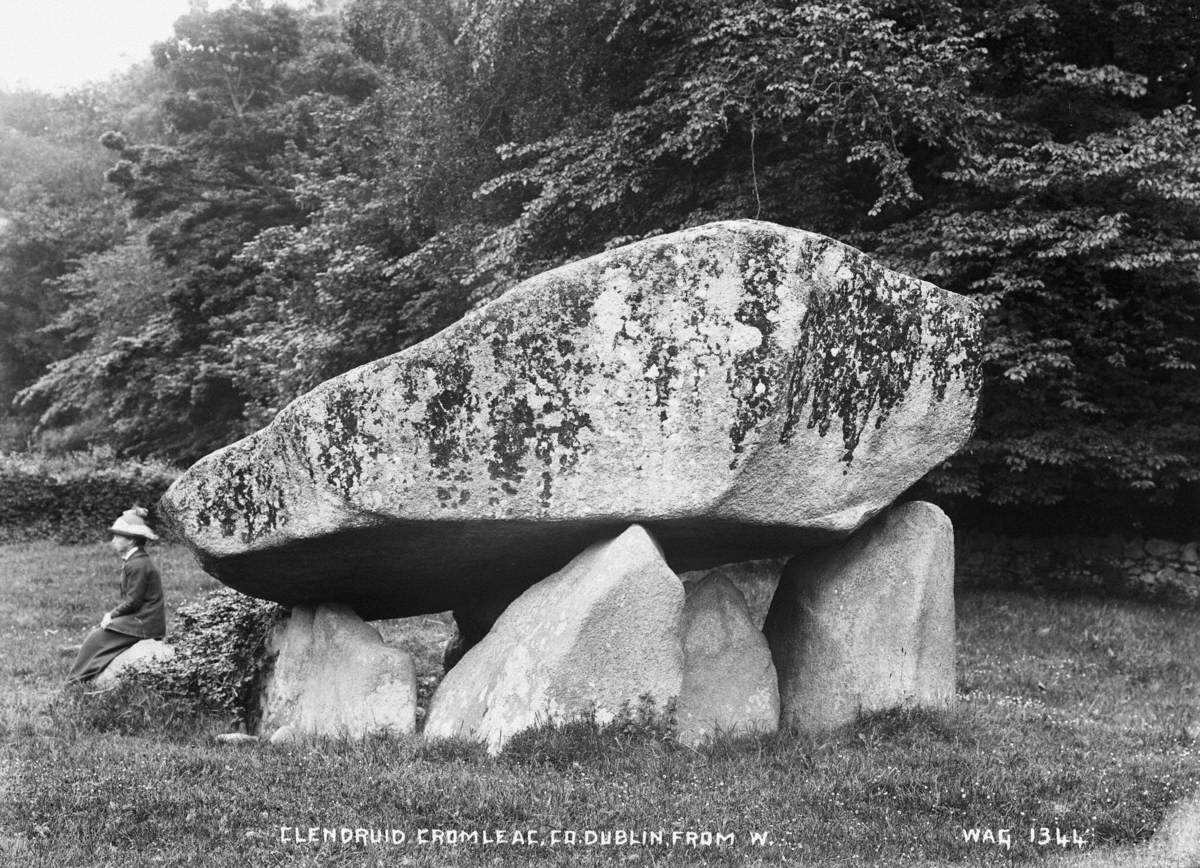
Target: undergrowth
x=220 y=656
x=587 y=737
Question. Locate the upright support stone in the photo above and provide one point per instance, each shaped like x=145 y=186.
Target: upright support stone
x=756 y=580
x=334 y=676
x=867 y=625
x=600 y=633
x=729 y=681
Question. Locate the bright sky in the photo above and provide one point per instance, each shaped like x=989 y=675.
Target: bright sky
x=58 y=44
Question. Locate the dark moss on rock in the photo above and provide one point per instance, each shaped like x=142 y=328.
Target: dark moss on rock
x=346 y=439
x=663 y=372
x=449 y=413
x=753 y=374
x=861 y=346
x=243 y=500
x=512 y=426
x=539 y=359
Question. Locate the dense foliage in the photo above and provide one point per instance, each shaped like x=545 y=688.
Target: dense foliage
x=221 y=655
x=300 y=193
x=1076 y=224
x=54 y=209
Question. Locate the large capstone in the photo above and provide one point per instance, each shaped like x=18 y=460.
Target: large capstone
x=740 y=389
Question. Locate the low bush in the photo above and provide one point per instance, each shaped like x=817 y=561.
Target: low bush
x=221 y=655
x=72 y=498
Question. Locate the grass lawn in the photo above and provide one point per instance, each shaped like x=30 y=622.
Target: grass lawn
x=1075 y=713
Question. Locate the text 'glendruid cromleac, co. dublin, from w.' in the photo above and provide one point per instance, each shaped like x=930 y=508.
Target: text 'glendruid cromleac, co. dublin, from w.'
x=516 y=837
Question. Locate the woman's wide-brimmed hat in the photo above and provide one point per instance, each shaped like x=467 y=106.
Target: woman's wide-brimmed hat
x=133 y=523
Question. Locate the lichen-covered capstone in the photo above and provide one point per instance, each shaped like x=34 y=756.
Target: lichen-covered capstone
x=741 y=389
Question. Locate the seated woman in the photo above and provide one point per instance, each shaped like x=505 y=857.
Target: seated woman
x=140 y=613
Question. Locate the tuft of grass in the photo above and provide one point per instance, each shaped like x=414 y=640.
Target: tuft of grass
x=127 y=707
x=640 y=727
x=1073 y=712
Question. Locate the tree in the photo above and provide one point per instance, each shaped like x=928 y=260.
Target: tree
x=1075 y=222
x=384 y=255
x=802 y=113
x=53 y=209
x=243 y=86
x=104 y=385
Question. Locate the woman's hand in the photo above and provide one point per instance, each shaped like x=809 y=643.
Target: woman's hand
x=106 y=620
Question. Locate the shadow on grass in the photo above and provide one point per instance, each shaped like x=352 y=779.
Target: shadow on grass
x=912 y=723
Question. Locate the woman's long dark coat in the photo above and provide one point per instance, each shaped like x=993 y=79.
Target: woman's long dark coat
x=140 y=612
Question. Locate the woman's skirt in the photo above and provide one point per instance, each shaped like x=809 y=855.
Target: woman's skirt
x=98 y=650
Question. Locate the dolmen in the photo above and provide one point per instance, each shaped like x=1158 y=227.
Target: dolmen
x=550 y=465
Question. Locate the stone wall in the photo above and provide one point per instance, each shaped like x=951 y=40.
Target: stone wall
x=1151 y=569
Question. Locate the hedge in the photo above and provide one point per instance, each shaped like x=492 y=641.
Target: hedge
x=74 y=498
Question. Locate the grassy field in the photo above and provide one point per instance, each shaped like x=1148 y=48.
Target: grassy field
x=1076 y=714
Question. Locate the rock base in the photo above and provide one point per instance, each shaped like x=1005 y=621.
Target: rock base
x=867 y=625
x=729 y=681
x=864 y=626
x=594 y=637
x=334 y=676
x=140 y=655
